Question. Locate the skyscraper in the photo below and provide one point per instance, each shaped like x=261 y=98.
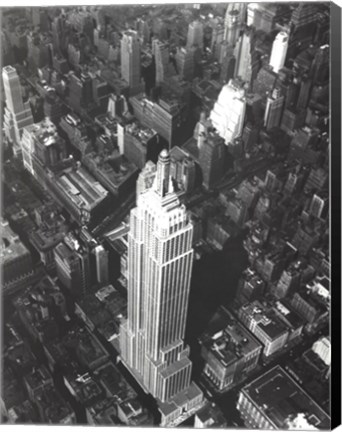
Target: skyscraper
x=195 y=34
x=279 y=51
x=234 y=19
x=228 y=114
x=130 y=60
x=274 y=109
x=232 y=26
x=161 y=55
x=17 y=113
x=211 y=159
x=160 y=258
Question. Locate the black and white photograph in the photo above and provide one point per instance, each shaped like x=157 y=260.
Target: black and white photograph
x=166 y=236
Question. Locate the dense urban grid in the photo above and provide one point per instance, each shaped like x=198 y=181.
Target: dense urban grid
x=165 y=220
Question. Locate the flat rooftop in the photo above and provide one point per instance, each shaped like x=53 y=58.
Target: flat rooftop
x=142 y=133
x=81 y=188
x=227 y=339
x=265 y=318
x=284 y=403
x=11 y=246
x=115 y=171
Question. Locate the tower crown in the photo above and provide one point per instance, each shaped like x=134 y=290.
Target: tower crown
x=162 y=184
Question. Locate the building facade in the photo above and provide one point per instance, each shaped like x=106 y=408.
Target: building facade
x=160 y=257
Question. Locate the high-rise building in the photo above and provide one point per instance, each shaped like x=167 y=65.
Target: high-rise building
x=274 y=109
x=243 y=54
x=72 y=265
x=143 y=30
x=17 y=113
x=185 y=62
x=80 y=91
x=232 y=23
x=195 y=35
x=101 y=260
x=279 y=51
x=320 y=65
x=162 y=60
x=228 y=114
x=211 y=158
x=182 y=169
x=130 y=60
x=160 y=258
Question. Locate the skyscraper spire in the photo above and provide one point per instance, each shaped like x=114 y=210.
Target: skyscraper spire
x=163 y=173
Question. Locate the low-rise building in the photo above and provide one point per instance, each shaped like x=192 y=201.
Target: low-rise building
x=229 y=350
x=16 y=261
x=264 y=323
x=275 y=401
x=114 y=172
x=210 y=416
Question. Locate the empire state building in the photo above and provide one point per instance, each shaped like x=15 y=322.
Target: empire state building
x=160 y=258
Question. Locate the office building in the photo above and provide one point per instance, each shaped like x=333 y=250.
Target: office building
x=211 y=158
x=320 y=65
x=143 y=30
x=17 y=113
x=101 y=261
x=322 y=347
x=39 y=50
x=228 y=114
x=244 y=52
x=195 y=35
x=113 y=171
x=251 y=286
x=151 y=340
x=230 y=352
x=16 y=261
x=265 y=325
x=166 y=117
x=130 y=60
x=319 y=206
x=42 y=149
x=80 y=91
x=72 y=265
x=232 y=25
x=274 y=109
x=185 y=62
x=140 y=144
x=279 y=51
x=51 y=230
x=275 y=401
x=288 y=281
x=182 y=169
x=161 y=54
x=78 y=192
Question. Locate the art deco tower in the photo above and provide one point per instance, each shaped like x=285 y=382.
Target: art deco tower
x=160 y=257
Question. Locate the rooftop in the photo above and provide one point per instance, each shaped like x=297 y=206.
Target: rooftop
x=284 y=403
x=11 y=246
x=265 y=318
x=227 y=339
x=142 y=133
x=81 y=188
x=114 y=170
